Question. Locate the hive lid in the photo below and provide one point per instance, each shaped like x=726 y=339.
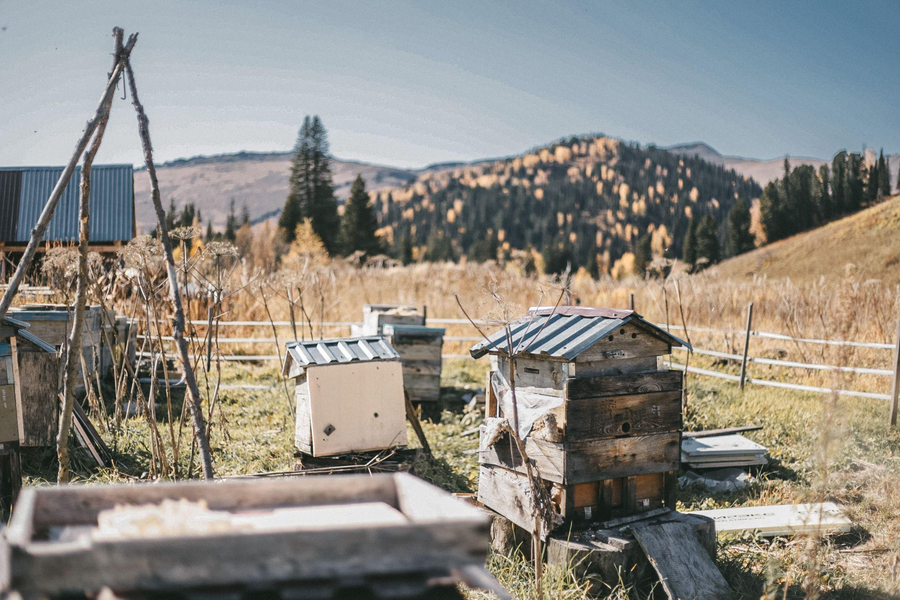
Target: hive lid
x=566 y=331
x=304 y=354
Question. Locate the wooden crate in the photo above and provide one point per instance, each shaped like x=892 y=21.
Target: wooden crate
x=376 y=316
x=52 y=322
x=440 y=535
x=420 y=351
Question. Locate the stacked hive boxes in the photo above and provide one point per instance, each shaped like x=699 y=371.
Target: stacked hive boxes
x=600 y=418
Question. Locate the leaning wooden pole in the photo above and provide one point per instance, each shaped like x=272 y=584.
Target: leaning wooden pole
x=73 y=354
x=746 y=345
x=178 y=323
x=37 y=234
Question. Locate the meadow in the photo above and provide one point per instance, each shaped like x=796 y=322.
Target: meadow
x=822 y=446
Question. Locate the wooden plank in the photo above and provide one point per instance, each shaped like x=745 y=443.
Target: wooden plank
x=579 y=462
x=508 y=494
x=625 y=342
x=613 y=416
x=786 y=519
x=490 y=400
x=18 y=388
x=620 y=385
x=612 y=368
x=412 y=352
x=39 y=408
x=621 y=457
x=303 y=425
x=685 y=570
x=9 y=422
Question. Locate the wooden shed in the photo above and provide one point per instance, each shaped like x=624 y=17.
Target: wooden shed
x=349 y=395
x=600 y=414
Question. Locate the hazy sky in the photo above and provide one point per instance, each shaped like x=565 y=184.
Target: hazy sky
x=411 y=83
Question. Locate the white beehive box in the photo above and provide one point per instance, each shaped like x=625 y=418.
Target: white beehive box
x=349 y=395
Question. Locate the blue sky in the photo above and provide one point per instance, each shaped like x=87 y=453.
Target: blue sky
x=412 y=83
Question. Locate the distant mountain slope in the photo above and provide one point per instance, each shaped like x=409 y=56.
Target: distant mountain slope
x=590 y=194
x=865 y=245
x=258 y=180
x=764 y=171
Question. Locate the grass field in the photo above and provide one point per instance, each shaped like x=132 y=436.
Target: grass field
x=820 y=447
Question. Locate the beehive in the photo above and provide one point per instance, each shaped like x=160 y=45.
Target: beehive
x=420 y=353
x=606 y=438
x=349 y=395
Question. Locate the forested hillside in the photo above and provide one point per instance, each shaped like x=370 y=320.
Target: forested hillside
x=591 y=201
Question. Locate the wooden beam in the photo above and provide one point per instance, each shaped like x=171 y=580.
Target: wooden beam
x=746 y=345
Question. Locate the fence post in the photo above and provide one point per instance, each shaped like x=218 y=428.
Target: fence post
x=631 y=301
x=895 y=386
x=746 y=344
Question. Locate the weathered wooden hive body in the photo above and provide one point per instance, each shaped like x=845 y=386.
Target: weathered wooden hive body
x=349 y=395
x=52 y=322
x=600 y=416
x=419 y=346
x=28 y=386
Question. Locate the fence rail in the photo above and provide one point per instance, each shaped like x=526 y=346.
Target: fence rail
x=786 y=364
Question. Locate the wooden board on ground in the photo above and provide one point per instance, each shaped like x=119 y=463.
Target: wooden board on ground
x=684 y=568
x=785 y=519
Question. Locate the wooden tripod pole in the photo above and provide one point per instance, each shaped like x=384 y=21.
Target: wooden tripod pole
x=73 y=355
x=37 y=233
x=178 y=323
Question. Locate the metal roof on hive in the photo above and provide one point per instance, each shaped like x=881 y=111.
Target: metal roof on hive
x=566 y=331
x=338 y=351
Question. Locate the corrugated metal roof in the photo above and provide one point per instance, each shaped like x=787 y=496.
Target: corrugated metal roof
x=111 y=203
x=565 y=332
x=338 y=351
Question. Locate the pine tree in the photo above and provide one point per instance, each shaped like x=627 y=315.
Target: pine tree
x=643 y=254
x=855 y=192
x=317 y=198
x=311 y=190
x=210 y=234
x=689 y=253
x=871 y=178
x=839 y=183
x=231 y=224
x=773 y=213
x=358 y=225
x=405 y=251
x=884 y=176
x=557 y=256
x=708 y=241
x=245 y=215
x=740 y=239
x=592 y=266
x=171 y=215
x=825 y=206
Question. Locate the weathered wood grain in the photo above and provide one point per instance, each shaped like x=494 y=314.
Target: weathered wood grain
x=39 y=410
x=507 y=493
x=620 y=385
x=685 y=570
x=613 y=416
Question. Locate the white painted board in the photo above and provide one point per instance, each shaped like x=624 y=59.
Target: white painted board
x=784 y=519
x=356 y=407
x=720 y=444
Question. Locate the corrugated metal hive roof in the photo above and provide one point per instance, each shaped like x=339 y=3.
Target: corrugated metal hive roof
x=24 y=192
x=338 y=351
x=565 y=332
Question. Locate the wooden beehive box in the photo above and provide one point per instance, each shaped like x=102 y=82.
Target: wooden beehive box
x=29 y=383
x=52 y=322
x=349 y=395
x=420 y=353
x=607 y=443
x=376 y=316
x=309 y=531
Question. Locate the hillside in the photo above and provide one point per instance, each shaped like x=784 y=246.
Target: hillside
x=864 y=245
x=584 y=195
x=764 y=171
x=258 y=180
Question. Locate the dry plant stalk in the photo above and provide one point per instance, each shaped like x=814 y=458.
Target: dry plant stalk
x=178 y=325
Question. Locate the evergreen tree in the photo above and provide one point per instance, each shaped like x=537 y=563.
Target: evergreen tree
x=643 y=254
x=689 y=253
x=210 y=234
x=773 y=213
x=801 y=204
x=871 y=178
x=839 y=183
x=855 y=193
x=740 y=239
x=439 y=248
x=231 y=224
x=557 y=256
x=592 y=266
x=359 y=224
x=186 y=219
x=311 y=190
x=824 y=205
x=245 y=215
x=708 y=241
x=884 y=176
x=484 y=250
x=171 y=215
x=405 y=251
